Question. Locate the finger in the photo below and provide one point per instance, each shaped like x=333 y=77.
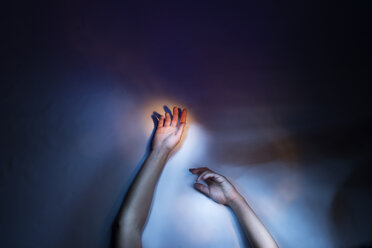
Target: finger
x=161 y=121
x=202 y=188
x=183 y=116
x=197 y=170
x=202 y=175
x=167 y=120
x=175 y=116
x=180 y=129
x=214 y=177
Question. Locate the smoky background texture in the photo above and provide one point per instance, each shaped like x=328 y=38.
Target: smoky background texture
x=279 y=103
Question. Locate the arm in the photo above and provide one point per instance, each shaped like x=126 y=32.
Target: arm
x=223 y=192
x=135 y=208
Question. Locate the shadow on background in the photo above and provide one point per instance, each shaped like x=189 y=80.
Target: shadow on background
x=351 y=206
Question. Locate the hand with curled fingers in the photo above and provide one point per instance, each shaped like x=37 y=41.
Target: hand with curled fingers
x=218 y=187
x=169 y=132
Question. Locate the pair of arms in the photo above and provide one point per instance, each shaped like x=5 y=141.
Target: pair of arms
x=135 y=208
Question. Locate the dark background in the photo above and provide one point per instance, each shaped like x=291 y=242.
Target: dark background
x=76 y=75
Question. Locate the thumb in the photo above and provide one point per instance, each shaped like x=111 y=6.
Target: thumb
x=202 y=188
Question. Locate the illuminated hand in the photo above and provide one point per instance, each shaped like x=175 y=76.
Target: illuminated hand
x=219 y=188
x=223 y=192
x=168 y=134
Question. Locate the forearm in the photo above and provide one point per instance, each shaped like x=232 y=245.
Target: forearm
x=253 y=227
x=135 y=208
x=136 y=205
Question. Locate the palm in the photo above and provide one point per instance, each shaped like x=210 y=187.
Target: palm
x=166 y=136
x=168 y=133
x=217 y=194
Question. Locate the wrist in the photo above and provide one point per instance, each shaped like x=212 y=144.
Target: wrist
x=161 y=151
x=236 y=201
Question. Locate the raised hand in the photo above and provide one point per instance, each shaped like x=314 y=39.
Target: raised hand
x=169 y=132
x=136 y=205
x=219 y=188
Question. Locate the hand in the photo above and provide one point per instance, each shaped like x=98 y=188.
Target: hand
x=168 y=134
x=219 y=188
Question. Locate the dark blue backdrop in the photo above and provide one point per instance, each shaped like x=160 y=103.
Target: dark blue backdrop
x=270 y=83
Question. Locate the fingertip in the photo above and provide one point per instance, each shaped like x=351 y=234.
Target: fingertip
x=183 y=115
x=196 y=185
x=175 y=111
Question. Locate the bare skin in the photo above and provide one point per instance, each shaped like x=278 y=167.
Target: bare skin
x=222 y=191
x=135 y=208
